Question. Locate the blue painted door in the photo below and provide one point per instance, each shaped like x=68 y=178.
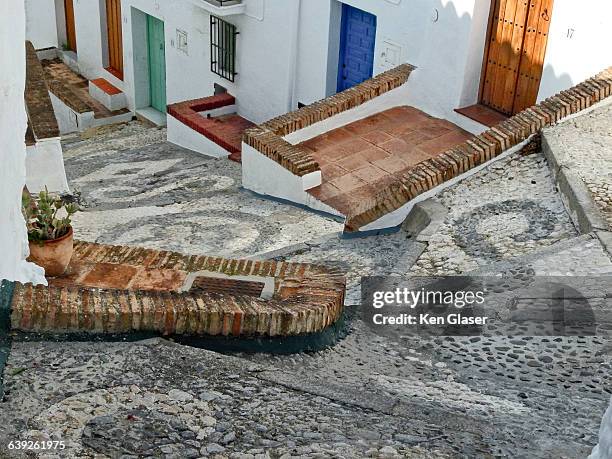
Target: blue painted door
x=357 y=40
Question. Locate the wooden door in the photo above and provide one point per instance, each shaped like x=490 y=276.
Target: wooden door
x=115 y=39
x=516 y=46
x=71 y=42
x=157 y=63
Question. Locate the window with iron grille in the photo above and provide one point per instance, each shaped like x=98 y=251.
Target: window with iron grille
x=223 y=48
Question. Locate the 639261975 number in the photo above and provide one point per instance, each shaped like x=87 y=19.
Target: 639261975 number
x=36 y=445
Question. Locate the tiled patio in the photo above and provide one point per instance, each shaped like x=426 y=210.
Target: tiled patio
x=360 y=158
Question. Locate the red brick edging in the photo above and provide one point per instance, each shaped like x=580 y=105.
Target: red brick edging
x=267 y=138
x=41 y=117
x=306 y=299
x=187 y=112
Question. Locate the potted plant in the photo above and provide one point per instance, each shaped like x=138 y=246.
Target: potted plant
x=49 y=231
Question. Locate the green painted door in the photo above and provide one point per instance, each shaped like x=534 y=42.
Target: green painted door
x=157 y=63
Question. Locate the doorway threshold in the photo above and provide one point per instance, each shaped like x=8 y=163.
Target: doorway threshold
x=152 y=116
x=482 y=114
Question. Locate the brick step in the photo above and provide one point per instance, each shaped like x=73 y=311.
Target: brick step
x=107 y=94
x=224 y=129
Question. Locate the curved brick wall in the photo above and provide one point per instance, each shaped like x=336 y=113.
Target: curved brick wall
x=306 y=298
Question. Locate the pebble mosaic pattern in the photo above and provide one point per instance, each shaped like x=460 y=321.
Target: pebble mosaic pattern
x=139 y=190
x=509 y=209
x=368 y=396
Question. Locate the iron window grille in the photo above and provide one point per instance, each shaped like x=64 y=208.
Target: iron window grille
x=223 y=48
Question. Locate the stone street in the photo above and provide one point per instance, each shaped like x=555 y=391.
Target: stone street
x=366 y=396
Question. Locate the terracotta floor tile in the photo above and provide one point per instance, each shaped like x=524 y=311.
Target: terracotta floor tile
x=109 y=275
x=324 y=191
x=332 y=154
x=391 y=164
x=416 y=156
x=355 y=145
x=367 y=125
x=352 y=162
x=331 y=171
x=158 y=279
x=339 y=135
x=434 y=130
x=410 y=117
x=370 y=173
x=316 y=144
x=374 y=154
x=397 y=129
x=443 y=143
x=414 y=138
x=377 y=137
x=397 y=147
x=348 y=182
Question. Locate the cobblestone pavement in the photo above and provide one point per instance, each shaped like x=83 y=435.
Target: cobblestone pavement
x=585 y=144
x=140 y=190
x=511 y=208
x=367 y=396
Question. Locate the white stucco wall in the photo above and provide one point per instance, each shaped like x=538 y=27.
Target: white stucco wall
x=45 y=167
x=13 y=237
x=263 y=60
x=264 y=176
x=287 y=50
x=578 y=44
x=41 y=28
x=604 y=449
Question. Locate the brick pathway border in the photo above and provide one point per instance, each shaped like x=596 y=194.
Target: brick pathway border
x=41 y=117
x=307 y=299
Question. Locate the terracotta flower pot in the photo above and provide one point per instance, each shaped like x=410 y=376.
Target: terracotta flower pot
x=54 y=255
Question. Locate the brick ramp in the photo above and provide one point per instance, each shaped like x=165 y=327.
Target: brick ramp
x=42 y=123
x=480 y=149
x=306 y=299
x=267 y=138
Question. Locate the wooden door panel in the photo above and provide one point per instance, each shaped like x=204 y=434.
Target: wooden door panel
x=534 y=51
x=70 y=26
x=115 y=38
x=495 y=37
x=515 y=35
x=515 y=53
x=505 y=43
